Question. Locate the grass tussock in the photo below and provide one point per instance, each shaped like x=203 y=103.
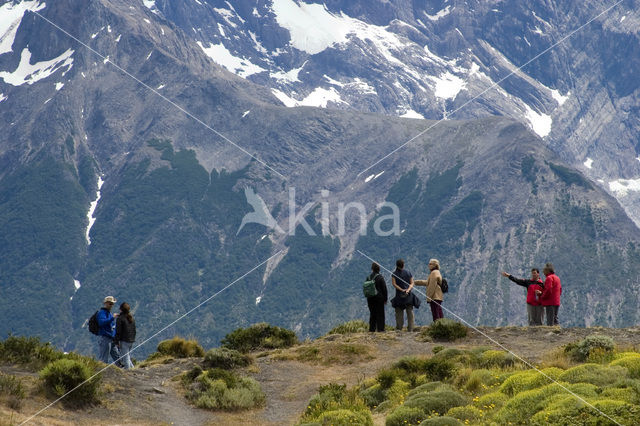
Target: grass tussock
x=445 y=329
x=259 y=336
x=219 y=389
x=225 y=358
x=328 y=353
x=12 y=391
x=594 y=349
x=61 y=376
x=335 y=404
x=179 y=347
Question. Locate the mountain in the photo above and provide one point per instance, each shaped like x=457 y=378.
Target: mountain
x=128 y=155
x=562 y=68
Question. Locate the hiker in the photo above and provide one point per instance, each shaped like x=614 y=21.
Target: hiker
x=107 y=331
x=404 y=300
x=376 y=303
x=125 y=334
x=550 y=294
x=535 y=311
x=433 y=283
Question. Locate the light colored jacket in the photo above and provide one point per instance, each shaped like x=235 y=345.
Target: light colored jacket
x=434 y=292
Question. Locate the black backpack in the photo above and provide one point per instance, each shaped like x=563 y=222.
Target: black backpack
x=93 y=323
x=444 y=286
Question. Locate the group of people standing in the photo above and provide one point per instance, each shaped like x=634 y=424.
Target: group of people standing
x=543 y=298
x=405 y=300
x=116 y=333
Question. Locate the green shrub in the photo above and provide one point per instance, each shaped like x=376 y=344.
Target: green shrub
x=218 y=389
x=344 y=417
x=12 y=391
x=429 y=387
x=499 y=359
x=631 y=363
x=629 y=395
x=437 y=349
x=468 y=412
x=446 y=329
x=64 y=375
x=373 y=395
x=404 y=415
x=599 y=375
x=354 y=326
x=482 y=379
x=226 y=358
x=441 y=421
x=595 y=346
x=571 y=411
x=259 y=336
x=438 y=401
x=529 y=379
x=449 y=353
x=490 y=401
x=334 y=397
x=398 y=391
x=411 y=370
x=180 y=348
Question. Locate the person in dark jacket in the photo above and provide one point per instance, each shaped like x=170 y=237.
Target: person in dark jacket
x=376 y=303
x=550 y=296
x=125 y=334
x=535 y=311
x=404 y=300
x=107 y=331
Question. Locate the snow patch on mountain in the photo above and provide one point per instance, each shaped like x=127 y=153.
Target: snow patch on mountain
x=539 y=123
x=3 y=97
x=558 y=97
x=31 y=73
x=92 y=209
x=621 y=187
x=151 y=5
x=447 y=86
x=442 y=13
x=240 y=66
x=588 y=163
x=412 y=114
x=10 y=18
x=290 y=76
x=320 y=97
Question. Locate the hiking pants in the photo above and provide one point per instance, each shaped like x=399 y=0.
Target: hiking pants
x=125 y=348
x=106 y=348
x=436 y=309
x=376 y=314
x=400 y=317
x=535 y=314
x=552 y=314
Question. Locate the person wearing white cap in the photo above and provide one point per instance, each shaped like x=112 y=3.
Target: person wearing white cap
x=107 y=331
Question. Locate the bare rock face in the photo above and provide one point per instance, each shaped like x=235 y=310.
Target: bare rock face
x=125 y=159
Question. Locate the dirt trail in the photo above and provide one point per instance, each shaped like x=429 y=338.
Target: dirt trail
x=153 y=396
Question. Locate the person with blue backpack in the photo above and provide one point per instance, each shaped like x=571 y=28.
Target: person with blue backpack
x=106 y=323
x=375 y=290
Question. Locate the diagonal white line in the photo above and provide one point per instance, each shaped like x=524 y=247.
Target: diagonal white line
x=153 y=336
x=524 y=361
x=146 y=86
x=492 y=86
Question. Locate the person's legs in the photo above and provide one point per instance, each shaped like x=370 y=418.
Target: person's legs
x=555 y=315
x=115 y=354
x=125 y=349
x=531 y=314
x=399 y=318
x=104 y=346
x=538 y=315
x=439 y=313
x=372 y=313
x=409 y=318
x=380 y=316
x=548 y=312
x=434 y=310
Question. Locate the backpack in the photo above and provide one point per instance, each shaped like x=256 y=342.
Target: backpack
x=93 y=323
x=369 y=287
x=444 y=286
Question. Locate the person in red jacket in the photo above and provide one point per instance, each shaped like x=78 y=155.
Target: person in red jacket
x=550 y=296
x=535 y=310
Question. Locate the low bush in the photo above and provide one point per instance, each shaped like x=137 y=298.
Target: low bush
x=446 y=329
x=11 y=391
x=629 y=395
x=441 y=421
x=373 y=395
x=226 y=358
x=413 y=370
x=349 y=327
x=490 y=401
x=499 y=359
x=344 y=417
x=429 y=387
x=218 y=389
x=631 y=362
x=398 y=391
x=404 y=415
x=336 y=397
x=597 y=347
x=529 y=379
x=597 y=374
x=27 y=351
x=180 y=348
x=64 y=375
x=468 y=413
x=438 y=401
x=259 y=336
x=570 y=411
x=482 y=379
